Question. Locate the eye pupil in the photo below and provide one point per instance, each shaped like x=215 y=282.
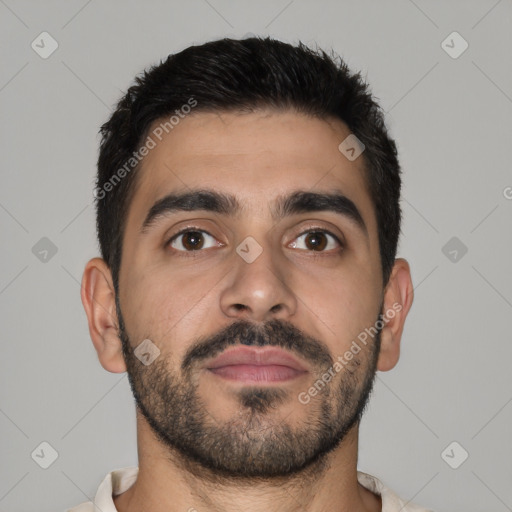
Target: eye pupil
x=316 y=241
x=193 y=240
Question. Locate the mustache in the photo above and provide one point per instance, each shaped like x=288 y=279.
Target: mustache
x=275 y=333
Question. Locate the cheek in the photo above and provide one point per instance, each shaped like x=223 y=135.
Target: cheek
x=168 y=306
x=342 y=304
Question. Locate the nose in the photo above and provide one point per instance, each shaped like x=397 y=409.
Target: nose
x=259 y=291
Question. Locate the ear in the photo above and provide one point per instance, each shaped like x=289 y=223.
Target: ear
x=98 y=298
x=398 y=297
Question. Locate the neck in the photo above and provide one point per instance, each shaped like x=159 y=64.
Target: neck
x=167 y=482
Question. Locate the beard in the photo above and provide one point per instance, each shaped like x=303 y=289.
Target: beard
x=251 y=444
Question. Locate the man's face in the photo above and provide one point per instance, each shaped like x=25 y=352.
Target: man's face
x=307 y=281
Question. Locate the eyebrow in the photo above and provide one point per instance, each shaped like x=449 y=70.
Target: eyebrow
x=227 y=204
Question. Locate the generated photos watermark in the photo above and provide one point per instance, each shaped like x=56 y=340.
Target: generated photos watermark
x=157 y=134
x=345 y=359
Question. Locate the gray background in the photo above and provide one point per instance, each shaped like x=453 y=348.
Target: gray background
x=451 y=119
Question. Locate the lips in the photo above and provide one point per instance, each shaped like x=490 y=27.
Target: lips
x=257 y=357
x=256 y=364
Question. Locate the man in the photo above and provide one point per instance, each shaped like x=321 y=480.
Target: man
x=248 y=217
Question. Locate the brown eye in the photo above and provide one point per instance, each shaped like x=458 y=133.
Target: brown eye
x=192 y=240
x=316 y=240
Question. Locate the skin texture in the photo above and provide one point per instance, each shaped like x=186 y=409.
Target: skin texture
x=178 y=299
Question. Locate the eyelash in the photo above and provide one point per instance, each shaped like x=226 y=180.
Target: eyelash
x=311 y=229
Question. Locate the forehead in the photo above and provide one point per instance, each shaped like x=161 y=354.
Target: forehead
x=253 y=156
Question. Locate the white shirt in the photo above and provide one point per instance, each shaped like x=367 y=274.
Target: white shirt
x=120 y=480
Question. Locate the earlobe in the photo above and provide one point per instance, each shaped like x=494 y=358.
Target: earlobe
x=98 y=299
x=398 y=298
